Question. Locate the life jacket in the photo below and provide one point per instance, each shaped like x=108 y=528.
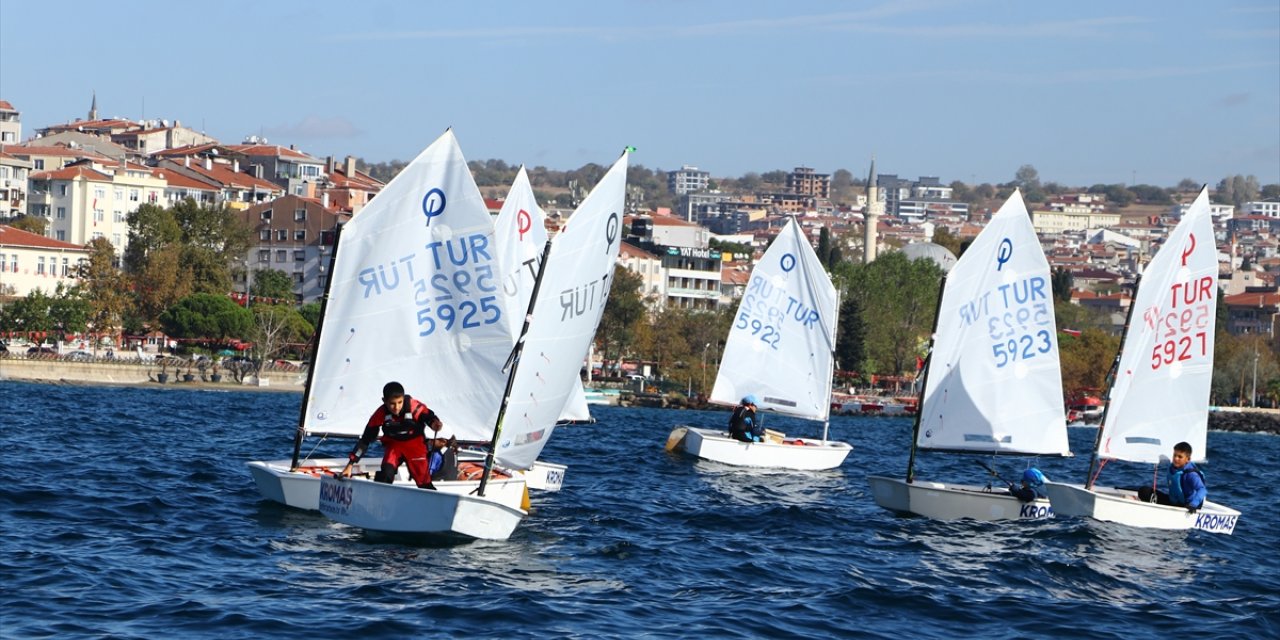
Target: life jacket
x=1177 y=495
x=403 y=425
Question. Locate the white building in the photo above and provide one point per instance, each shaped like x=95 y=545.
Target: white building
x=30 y=261
x=88 y=199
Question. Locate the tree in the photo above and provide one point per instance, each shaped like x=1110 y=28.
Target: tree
x=213 y=239
x=208 y=317
x=943 y=236
x=275 y=327
x=622 y=311
x=842 y=186
x=273 y=284
x=898 y=298
x=151 y=229
x=30 y=224
x=104 y=287
x=311 y=313
x=1062 y=281
x=62 y=312
x=161 y=282
x=1086 y=359
x=850 y=336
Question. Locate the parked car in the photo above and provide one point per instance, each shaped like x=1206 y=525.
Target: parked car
x=79 y=356
x=41 y=352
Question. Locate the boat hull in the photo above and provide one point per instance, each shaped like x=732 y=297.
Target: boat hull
x=393 y=508
x=943 y=501
x=301 y=489
x=717 y=446
x=1123 y=507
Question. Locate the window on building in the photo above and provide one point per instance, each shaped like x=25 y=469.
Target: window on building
x=300 y=214
x=300 y=235
x=39 y=165
x=119 y=216
x=66 y=267
x=264 y=255
x=282 y=235
x=62 y=213
x=266 y=215
x=265 y=235
x=61 y=235
x=297 y=277
x=13 y=263
x=4 y=264
x=282 y=255
x=40 y=265
x=120 y=195
x=310 y=170
x=299 y=256
x=96 y=235
x=300 y=190
x=134 y=194
x=99 y=192
x=8 y=136
x=99 y=215
x=322 y=280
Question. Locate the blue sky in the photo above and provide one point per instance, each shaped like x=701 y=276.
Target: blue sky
x=1086 y=91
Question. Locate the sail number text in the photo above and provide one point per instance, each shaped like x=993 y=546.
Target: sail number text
x=1017 y=319
x=766 y=308
x=1181 y=333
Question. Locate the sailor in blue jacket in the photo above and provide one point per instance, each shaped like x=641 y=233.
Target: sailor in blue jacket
x=1032 y=486
x=1186 y=483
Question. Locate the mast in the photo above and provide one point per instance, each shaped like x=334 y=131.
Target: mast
x=514 y=362
x=1111 y=379
x=924 y=383
x=831 y=369
x=311 y=368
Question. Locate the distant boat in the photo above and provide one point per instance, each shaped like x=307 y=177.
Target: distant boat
x=780 y=349
x=1161 y=378
x=993 y=382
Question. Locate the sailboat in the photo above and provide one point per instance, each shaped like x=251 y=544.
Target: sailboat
x=1159 y=394
x=993 y=383
x=565 y=307
x=781 y=349
x=296 y=482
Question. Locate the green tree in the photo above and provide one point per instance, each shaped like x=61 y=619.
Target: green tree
x=898 y=298
x=623 y=310
x=161 y=282
x=213 y=239
x=273 y=284
x=207 y=316
x=151 y=229
x=1062 y=281
x=943 y=236
x=275 y=328
x=1086 y=359
x=311 y=313
x=104 y=287
x=850 y=336
x=29 y=224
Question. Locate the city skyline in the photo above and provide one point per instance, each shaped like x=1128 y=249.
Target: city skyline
x=1087 y=93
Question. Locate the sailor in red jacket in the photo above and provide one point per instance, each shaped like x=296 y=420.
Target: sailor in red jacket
x=403 y=422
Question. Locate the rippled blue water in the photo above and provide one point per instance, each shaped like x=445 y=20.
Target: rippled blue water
x=128 y=512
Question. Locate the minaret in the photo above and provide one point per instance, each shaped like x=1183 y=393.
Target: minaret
x=872 y=216
x=93 y=107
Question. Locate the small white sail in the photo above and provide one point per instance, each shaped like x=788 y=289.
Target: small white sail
x=994 y=380
x=571 y=299
x=416 y=297
x=520 y=233
x=780 y=346
x=1161 y=391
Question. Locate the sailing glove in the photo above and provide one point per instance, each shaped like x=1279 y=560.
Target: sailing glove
x=1191 y=509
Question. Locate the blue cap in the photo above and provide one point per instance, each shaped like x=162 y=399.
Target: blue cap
x=1033 y=477
x=750 y=398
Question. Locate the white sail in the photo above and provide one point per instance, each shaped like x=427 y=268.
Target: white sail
x=417 y=298
x=780 y=346
x=571 y=299
x=1160 y=395
x=519 y=237
x=994 y=381
x=520 y=233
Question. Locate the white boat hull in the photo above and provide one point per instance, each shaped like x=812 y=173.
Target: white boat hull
x=1122 y=506
x=301 y=489
x=943 y=501
x=393 y=508
x=797 y=453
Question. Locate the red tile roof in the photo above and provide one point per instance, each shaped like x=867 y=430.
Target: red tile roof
x=4 y=104
x=272 y=150
x=72 y=173
x=11 y=237
x=628 y=249
x=51 y=150
x=1252 y=300
x=176 y=179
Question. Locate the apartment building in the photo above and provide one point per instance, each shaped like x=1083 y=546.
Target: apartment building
x=29 y=261
x=688 y=179
x=91 y=199
x=295 y=235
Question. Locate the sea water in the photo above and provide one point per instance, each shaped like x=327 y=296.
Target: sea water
x=129 y=513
